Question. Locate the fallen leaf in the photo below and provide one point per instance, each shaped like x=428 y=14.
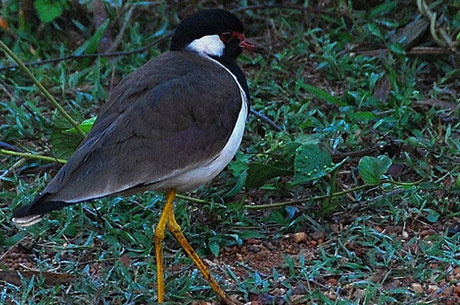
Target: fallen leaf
x=51 y=278
x=408 y=35
x=383 y=88
x=437 y=104
x=396 y=170
x=3 y=23
x=125 y=260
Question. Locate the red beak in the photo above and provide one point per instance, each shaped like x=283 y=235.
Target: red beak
x=244 y=43
x=247 y=45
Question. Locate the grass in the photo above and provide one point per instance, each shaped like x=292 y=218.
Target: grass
x=392 y=240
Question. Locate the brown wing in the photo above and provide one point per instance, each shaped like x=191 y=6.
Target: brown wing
x=174 y=111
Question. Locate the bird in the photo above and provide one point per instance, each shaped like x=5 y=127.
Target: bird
x=172 y=125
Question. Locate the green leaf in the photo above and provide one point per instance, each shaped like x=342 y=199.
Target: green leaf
x=397 y=49
x=382 y=9
x=214 y=247
x=372 y=169
x=364 y=116
x=251 y=234
x=239 y=165
x=258 y=173
x=306 y=139
x=374 y=30
x=85 y=126
x=238 y=186
x=48 y=10
x=90 y=46
x=64 y=144
x=10 y=241
x=432 y=216
x=312 y=162
x=322 y=95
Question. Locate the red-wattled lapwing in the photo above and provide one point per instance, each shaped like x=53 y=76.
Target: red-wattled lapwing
x=171 y=125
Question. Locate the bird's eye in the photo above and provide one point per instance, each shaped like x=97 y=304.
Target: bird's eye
x=226 y=36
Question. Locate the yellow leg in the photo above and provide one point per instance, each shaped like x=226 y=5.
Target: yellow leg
x=176 y=230
x=158 y=238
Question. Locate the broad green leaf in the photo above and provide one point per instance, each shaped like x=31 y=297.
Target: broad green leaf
x=306 y=139
x=90 y=46
x=383 y=8
x=85 y=126
x=374 y=30
x=372 y=169
x=258 y=173
x=250 y=234
x=64 y=144
x=48 y=10
x=312 y=162
x=362 y=116
x=432 y=216
x=323 y=95
x=238 y=186
x=10 y=241
x=239 y=165
x=237 y=238
x=214 y=247
x=397 y=49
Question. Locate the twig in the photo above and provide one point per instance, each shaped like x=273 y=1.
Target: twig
x=109 y=259
x=99 y=215
x=389 y=194
x=31 y=156
x=41 y=88
x=413 y=51
x=120 y=35
x=3 y=86
x=8 y=146
x=250 y=269
x=284 y=203
x=191 y=199
x=261 y=6
x=353 y=154
x=3 y=255
x=293 y=202
x=332 y=195
x=9 y=170
x=266 y=119
x=444 y=41
x=83 y=56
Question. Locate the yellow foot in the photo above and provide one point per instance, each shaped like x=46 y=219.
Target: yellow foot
x=167 y=217
x=176 y=230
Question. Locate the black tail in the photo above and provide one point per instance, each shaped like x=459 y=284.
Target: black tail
x=32 y=213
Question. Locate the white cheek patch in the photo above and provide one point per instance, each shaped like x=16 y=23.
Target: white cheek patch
x=210 y=45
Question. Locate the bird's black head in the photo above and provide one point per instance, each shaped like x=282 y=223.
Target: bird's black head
x=214 y=32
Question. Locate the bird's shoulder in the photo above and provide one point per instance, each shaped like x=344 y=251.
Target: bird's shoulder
x=172 y=73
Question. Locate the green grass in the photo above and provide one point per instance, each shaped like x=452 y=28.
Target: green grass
x=395 y=229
